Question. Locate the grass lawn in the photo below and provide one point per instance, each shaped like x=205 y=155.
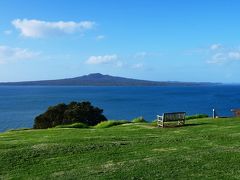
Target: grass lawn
x=203 y=149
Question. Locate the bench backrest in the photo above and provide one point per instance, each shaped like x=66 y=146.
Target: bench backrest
x=175 y=116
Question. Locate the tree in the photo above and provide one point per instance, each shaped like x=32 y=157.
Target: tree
x=74 y=112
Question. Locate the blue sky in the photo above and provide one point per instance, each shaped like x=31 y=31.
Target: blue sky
x=172 y=40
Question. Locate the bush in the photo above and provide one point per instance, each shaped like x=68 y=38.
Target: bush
x=107 y=124
x=197 y=116
x=74 y=112
x=51 y=118
x=139 y=120
x=75 y=125
x=154 y=122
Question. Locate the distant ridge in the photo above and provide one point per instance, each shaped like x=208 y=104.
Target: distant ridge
x=97 y=79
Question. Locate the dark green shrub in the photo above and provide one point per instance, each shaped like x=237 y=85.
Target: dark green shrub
x=75 y=112
x=51 y=118
x=197 y=116
x=139 y=120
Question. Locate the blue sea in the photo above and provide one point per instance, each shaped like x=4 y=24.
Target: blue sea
x=19 y=105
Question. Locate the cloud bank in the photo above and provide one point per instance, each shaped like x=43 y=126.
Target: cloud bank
x=106 y=59
x=215 y=47
x=38 y=29
x=223 y=55
x=14 y=54
x=100 y=37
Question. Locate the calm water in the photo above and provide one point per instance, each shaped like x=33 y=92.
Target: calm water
x=19 y=105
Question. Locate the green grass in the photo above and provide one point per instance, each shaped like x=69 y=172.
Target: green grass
x=110 y=123
x=74 y=125
x=203 y=149
x=139 y=120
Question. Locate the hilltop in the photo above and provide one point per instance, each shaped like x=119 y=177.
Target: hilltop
x=97 y=79
x=202 y=149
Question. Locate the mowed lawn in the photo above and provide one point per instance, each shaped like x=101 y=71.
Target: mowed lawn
x=203 y=149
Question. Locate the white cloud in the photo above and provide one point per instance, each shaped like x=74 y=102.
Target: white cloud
x=219 y=54
x=137 y=66
x=14 y=54
x=234 y=55
x=224 y=57
x=217 y=58
x=215 y=47
x=100 y=37
x=119 y=64
x=37 y=29
x=106 y=59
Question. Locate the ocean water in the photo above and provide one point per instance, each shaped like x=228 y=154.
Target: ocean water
x=19 y=105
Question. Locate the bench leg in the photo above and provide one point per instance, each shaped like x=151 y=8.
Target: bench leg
x=160 y=124
x=182 y=122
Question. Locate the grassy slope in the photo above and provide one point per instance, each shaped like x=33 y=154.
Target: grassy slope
x=205 y=149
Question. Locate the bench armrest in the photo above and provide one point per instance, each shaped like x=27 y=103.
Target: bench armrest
x=159 y=118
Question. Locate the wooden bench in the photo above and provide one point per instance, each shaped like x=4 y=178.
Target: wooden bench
x=168 y=117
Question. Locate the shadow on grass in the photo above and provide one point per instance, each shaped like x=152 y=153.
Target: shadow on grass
x=185 y=125
x=196 y=124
